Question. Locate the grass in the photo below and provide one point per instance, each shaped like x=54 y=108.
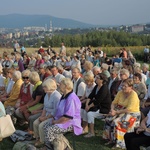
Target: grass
x=136 y=50
x=81 y=143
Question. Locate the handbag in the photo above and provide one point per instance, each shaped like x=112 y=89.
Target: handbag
x=6 y=126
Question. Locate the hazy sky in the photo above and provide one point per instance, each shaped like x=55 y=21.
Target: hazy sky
x=101 y=12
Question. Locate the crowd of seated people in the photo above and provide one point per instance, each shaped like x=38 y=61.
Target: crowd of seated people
x=54 y=93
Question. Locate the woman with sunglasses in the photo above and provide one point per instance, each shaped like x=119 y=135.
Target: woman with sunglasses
x=25 y=95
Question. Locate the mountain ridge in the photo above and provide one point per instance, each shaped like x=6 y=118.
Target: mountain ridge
x=23 y=20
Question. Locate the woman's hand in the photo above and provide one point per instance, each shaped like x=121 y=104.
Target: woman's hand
x=139 y=130
x=112 y=112
x=22 y=108
x=53 y=122
x=34 y=112
x=87 y=108
x=147 y=104
x=42 y=118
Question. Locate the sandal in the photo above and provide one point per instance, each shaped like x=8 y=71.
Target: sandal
x=84 y=132
x=89 y=135
x=39 y=144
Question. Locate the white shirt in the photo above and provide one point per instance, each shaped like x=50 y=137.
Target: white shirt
x=88 y=90
x=2 y=81
x=144 y=78
x=50 y=103
x=76 y=64
x=81 y=87
x=10 y=86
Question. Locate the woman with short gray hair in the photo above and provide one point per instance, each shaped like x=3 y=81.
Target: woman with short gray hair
x=67 y=117
x=34 y=77
x=12 y=99
x=124 y=74
x=51 y=100
x=39 y=61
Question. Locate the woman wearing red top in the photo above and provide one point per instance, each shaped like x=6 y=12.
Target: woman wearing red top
x=25 y=93
x=39 y=61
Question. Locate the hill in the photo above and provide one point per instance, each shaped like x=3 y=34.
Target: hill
x=20 y=21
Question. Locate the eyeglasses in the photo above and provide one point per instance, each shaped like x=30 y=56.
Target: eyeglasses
x=25 y=77
x=98 y=77
x=124 y=86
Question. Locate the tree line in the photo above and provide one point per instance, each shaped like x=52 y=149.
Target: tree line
x=93 y=38
x=98 y=38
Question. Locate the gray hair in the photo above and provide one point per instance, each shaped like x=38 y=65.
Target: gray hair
x=105 y=66
x=26 y=72
x=68 y=83
x=137 y=65
x=145 y=65
x=125 y=71
x=76 y=69
x=114 y=71
x=50 y=84
x=34 y=77
x=60 y=67
x=96 y=68
x=17 y=75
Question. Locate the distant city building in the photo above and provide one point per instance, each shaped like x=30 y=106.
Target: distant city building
x=137 y=28
x=9 y=36
x=34 y=28
x=17 y=35
x=2 y=30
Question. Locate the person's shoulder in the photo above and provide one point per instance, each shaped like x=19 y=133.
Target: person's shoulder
x=134 y=93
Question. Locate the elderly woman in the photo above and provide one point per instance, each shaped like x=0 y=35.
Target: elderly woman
x=8 y=84
x=18 y=63
x=42 y=72
x=32 y=110
x=145 y=69
x=140 y=137
x=32 y=62
x=90 y=84
x=67 y=65
x=124 y=74
x=98 y=103
x=105 y=71
x=138 y=86
x=7 y=63
x=51 y=100
x=124 y=115
x=88 y=67
x=67 y=117
x=25 y=94
x=13 y=97
x=76 y=63
x=39 y=61
x=26 y=60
